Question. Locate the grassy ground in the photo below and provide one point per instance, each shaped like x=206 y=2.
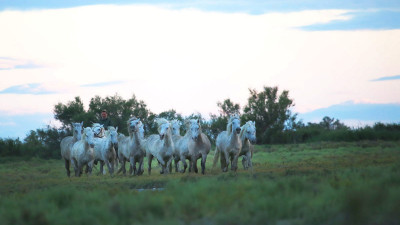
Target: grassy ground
x=320 y=183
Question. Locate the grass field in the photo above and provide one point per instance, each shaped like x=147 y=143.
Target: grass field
x=320 y=183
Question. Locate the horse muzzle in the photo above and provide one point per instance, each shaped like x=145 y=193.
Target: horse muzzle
x=161 y=136
x=238 y=130
x=91 y=145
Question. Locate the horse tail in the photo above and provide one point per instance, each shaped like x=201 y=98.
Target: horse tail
x=216 y=157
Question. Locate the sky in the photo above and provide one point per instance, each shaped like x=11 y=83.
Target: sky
x=336 y=58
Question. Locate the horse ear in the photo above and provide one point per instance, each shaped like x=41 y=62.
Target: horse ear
x=82 y=123
x=116 y=129
x=198 y=121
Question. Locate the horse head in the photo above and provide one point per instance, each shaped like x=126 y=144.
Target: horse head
x=88 y=136
x=235 y=123
x=134 y=124
x=113 y=132
x=249 y=131
x=164 y=126
x=98 y=129
x=175 y=126
x=195 y=129
x=77 y=130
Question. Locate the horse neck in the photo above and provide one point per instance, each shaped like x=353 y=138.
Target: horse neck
x=234 y=137
x=136 y=137
x=200 y=138
x=74 y=137
x=168 y=138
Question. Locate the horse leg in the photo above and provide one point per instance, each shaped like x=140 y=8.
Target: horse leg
x=195 y=164
x=130 y=165
x=234 y=162
x=67 y=167
x=87 y=169
x=190 y=164
x=203 y=163
x=249 y=163
x=140 y=170
x=90 y=167
x=183 y=160
x=134 y=166
x=110 y=166
x=224 y=161
x=75 y=167
x=101 y=167
x=149 y=159
x=244 y=162
x=169 y=166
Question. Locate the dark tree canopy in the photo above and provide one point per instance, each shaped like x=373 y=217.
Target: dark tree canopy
x=119 y=111
x=270 y=110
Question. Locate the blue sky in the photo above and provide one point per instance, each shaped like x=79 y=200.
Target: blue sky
x=336 y=58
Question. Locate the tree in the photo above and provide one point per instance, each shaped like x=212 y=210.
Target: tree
x=332 y=124
x=270 y=111
x=119 y=110
x=73 y=111
x=228 y=108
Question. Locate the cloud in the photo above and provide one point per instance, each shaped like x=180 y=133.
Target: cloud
x=254 y=7
x=362 y=20
x=103 y=84
x=7 y=63
x=18 y=126
x=387 y=78
x=352 y=112
x=32 y=88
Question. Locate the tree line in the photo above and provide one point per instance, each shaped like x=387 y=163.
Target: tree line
x=269 y=108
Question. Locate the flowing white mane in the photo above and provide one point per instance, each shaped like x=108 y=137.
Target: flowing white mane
x=161 y=121
x=229 y=125
x=246 y=126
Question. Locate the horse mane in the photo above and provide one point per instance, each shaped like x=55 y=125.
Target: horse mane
x=86 y=129
x=244 y=128
x=229 y=125
x=161 y=121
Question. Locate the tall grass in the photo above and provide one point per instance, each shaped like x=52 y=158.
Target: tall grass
x=319 y=183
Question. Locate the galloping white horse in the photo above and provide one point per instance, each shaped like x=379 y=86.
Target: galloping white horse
x=98 y=130
x=83 y=153
x=160 y=146
x=199 y=146
x=104 y=149
x=177 y=138
x=67 y=143
x=131 y=148
x=248 y=138
x=229 y=145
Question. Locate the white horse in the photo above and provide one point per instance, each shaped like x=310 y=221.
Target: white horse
x=98 y=130
x=199 y=146
x=160 y=146
x=248 y=139
x=229 y=145
x=104 y=149
x=67 y=143
x=131 y=148
x=180 y=146
x=83 y=153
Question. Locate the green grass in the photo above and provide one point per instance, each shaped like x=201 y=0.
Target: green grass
x=319 y=183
